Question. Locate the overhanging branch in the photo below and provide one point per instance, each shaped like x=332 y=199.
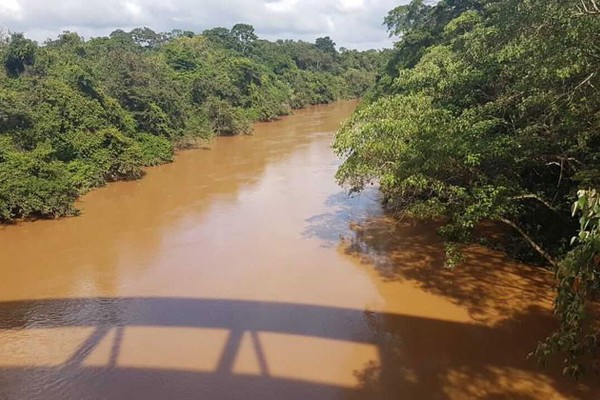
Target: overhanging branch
x=531 y=242
x=533 y=197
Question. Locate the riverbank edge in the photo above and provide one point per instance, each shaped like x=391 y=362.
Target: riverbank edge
x=185 y=145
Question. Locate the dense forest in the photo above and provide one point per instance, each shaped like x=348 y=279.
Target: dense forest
x=488 y=110
x=75 y=113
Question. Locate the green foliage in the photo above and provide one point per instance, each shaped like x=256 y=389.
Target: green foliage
x=32 y=184
x=326 y=45
x=358 y=82
x=226 y=119
x=487 y=110
x=76 y=114
x=20 y=54
x=221 y=37
x=578 y=285
x=245 y=36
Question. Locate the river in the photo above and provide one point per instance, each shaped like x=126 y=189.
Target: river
x=242 y=271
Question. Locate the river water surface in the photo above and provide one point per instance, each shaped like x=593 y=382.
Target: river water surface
x=242 y=271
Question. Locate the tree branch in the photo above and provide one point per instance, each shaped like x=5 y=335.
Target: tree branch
x=591 y=8
x=534 y=197
x=531 y=242
x=586 y=80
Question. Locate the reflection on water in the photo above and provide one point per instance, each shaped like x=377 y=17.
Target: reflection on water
x=244 y=272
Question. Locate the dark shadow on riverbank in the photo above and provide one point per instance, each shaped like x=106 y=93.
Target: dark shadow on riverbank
x=419 y=358
x=487 y=283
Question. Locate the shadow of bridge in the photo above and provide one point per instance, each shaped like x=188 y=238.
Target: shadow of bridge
x=415 y=354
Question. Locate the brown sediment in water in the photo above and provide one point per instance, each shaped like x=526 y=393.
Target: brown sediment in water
x=244 y=272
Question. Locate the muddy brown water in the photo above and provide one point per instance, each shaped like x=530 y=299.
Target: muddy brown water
x=244 y=272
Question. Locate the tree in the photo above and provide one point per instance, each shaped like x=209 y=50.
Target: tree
x=66 y=38
x=578 y=285
x=222 y=37
x=245 y=36
x=121 y=35
x=326 y=45
x=147 y=38
x=20 y=54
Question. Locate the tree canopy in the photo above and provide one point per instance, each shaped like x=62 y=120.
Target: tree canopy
x=20 y=53
x=488 y=111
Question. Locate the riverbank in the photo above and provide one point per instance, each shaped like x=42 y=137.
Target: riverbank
x=71 y=198
x=77 y=114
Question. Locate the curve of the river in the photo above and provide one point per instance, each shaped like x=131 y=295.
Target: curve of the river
x=242 y=271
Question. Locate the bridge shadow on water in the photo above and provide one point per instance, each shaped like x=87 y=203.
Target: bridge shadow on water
x=416 y=356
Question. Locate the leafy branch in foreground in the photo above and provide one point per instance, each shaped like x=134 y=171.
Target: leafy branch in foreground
x=577 y=292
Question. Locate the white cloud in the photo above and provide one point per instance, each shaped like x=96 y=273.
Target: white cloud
x=134 y=9
x=348 y=6
x=10 y=8
x=280 y=6
x=350 y=23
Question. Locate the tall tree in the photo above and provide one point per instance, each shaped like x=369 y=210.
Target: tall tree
x=325 y=44
x=20 y=54
x=245 y=36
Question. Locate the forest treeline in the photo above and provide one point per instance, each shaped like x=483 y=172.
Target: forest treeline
x=75 y=113
x=488 y=110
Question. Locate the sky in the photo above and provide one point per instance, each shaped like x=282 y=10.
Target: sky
x=354 y=24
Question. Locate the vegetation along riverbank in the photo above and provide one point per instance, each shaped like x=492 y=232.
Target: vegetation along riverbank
x=75 y=113
x=489 y=111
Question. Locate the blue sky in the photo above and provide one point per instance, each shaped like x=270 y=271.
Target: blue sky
x=354 y=24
